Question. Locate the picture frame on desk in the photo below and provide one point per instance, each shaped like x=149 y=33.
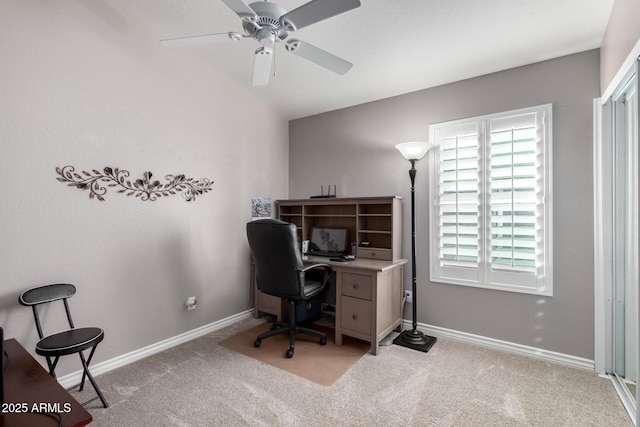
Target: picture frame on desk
x=260 y=208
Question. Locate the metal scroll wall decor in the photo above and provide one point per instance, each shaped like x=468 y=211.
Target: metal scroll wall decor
x=144 y=188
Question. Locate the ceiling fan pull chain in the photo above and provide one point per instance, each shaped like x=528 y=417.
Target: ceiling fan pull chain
x=274 y=59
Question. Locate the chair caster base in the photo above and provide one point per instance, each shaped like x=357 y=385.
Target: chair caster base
x=257 y=343
x=289 y=353
x=323 y=341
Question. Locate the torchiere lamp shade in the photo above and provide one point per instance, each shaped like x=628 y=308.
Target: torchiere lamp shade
x=413 y=150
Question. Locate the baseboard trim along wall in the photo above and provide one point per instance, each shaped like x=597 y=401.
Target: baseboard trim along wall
x=534 y=352
x=74 y=378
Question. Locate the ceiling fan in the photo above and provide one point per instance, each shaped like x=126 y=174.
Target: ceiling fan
x=269 y=24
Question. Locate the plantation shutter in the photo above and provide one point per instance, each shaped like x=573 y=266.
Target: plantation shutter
x=515 y=184
x=491 y=214
x=459 y=201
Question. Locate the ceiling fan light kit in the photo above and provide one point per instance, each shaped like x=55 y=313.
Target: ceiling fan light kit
x=268 y=23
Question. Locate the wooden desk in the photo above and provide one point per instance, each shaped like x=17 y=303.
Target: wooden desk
x=369 y=289
x=368 y=298
x=27 y=383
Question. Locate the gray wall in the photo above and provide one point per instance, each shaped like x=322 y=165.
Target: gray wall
x=86 y=83
x=354 y=149
x=622 y=34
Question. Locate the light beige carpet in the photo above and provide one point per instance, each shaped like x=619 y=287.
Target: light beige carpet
x=322 y=364
x=203 y=384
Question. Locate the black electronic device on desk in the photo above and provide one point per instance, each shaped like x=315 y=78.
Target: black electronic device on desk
x=328 y=195
x=328 y=242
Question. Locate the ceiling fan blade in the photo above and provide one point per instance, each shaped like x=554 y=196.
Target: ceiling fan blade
x=315 y=11
x=318 y=56
x=242 y=9
x=262 y=66
x=203 y=39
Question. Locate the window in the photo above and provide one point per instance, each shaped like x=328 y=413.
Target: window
x=490 y=196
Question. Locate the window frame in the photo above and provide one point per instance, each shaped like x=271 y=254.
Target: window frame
x=483 y=276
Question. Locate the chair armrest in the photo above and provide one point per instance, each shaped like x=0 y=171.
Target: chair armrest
x=320 y=269
x=309 y=267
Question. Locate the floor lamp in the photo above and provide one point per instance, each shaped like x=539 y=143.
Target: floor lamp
x=414 y=339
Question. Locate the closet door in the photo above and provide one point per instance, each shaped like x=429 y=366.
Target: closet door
x=626 y=253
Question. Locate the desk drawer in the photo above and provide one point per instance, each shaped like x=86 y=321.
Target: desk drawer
x=356 y=285
x=356 y=316
x=375 y=253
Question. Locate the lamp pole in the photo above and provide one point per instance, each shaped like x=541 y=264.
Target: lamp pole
x=414 y=339
x=414 y=282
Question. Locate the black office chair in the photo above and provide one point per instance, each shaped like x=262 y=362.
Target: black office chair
x=71 y=341
x=280 y=272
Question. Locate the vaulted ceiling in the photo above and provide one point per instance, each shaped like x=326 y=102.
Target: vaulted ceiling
x=396 y=46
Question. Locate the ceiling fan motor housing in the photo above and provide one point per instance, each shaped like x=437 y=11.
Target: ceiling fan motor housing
x=267 y=27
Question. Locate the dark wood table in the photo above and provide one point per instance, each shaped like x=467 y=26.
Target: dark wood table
x=28 y=386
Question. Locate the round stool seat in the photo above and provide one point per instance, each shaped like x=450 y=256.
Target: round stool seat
x=69 y=342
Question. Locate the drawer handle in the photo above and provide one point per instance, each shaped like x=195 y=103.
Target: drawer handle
x=355 y=316
x=355 y=286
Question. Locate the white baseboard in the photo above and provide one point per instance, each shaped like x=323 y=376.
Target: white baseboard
x=73 y=379
x=524 y=350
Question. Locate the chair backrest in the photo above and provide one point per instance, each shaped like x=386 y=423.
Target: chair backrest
x=45 y=294
x=277 y=258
